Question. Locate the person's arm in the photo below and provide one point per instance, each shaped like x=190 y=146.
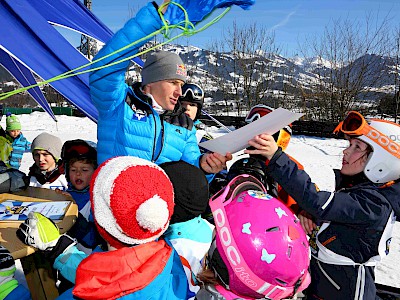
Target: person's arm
x=41 y=233
x=359 y=206
x=107 y=85
x=213 y=162
x=28 y=145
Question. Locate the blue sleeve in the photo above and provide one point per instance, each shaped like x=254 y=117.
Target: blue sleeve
x=20 y=293
x=191 y=153
x=107 y=85
x=68 y=262
x=28 y=146
x=67 y=295
x=357 y=206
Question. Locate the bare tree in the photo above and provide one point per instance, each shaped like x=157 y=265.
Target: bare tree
x=350 y=66
x=245 y=57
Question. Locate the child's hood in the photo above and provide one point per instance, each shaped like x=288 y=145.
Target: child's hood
x=113 y=274
x=392 y=193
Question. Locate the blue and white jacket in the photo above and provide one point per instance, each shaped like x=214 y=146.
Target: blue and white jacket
x=127 y=123
x=20 y=145
x=192 y=240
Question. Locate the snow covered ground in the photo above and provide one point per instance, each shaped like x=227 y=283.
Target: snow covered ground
x=318 y=155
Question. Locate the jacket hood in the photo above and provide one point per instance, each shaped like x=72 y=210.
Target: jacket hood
x=392 y=191
x=113 y=274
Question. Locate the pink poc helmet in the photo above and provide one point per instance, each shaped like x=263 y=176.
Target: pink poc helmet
x=263 y=248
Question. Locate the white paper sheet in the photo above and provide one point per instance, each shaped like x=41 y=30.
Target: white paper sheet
x=238 y=139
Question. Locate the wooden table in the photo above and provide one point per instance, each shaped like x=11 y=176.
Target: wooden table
x=38 y=271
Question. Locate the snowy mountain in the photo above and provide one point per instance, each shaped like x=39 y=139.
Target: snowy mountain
x=277 y=74
x=291 y=76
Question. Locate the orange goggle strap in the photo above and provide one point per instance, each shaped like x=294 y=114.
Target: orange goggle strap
x=373 y=134
x=283 y=139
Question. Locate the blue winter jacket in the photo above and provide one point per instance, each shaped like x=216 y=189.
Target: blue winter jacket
x=127 y=123
x=20 y=145
x=84 y=229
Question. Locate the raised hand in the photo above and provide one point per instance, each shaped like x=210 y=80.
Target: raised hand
x=198 y=10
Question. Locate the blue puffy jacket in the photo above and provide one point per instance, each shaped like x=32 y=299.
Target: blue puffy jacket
x=20 y=145
x=127 y=123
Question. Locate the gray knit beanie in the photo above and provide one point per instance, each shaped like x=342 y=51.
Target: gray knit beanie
x=163 y=65
x=48 y=142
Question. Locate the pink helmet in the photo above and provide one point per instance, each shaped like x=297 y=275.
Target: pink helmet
x=264 y=249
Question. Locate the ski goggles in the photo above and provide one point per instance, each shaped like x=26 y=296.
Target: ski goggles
x=197 y=92
x=257 y=112
x=356 y=125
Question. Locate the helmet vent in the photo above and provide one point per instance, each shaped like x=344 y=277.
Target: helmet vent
x=281 y=282
x=289 y=252
x=272 y=229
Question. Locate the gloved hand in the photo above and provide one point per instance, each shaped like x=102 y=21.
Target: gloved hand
x=7 y=270
x=198 y=10
x=39 y=232
x=42 y=233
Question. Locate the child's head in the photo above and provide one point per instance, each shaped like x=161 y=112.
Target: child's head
x=261 y=249
x=80 y=161
x=355 y=157
x=13 y=126
x=374 y=145
x=132 y=201
x=192 y=100
x=282 y=137
x=190 y=189
x=46 y=151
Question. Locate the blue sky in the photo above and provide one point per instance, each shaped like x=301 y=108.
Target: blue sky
x=292 y=20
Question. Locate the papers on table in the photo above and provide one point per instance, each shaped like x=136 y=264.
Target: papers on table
x=13 y=210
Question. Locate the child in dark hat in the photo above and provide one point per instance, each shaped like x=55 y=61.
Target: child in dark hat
x=80 y=162
x=189 y=233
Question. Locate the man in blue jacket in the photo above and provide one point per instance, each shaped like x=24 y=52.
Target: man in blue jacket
x=146 y=119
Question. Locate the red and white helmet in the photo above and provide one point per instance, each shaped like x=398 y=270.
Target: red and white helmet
x=282 y=137
x=261 y=248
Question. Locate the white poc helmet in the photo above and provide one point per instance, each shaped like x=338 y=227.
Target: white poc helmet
x=383 y=166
